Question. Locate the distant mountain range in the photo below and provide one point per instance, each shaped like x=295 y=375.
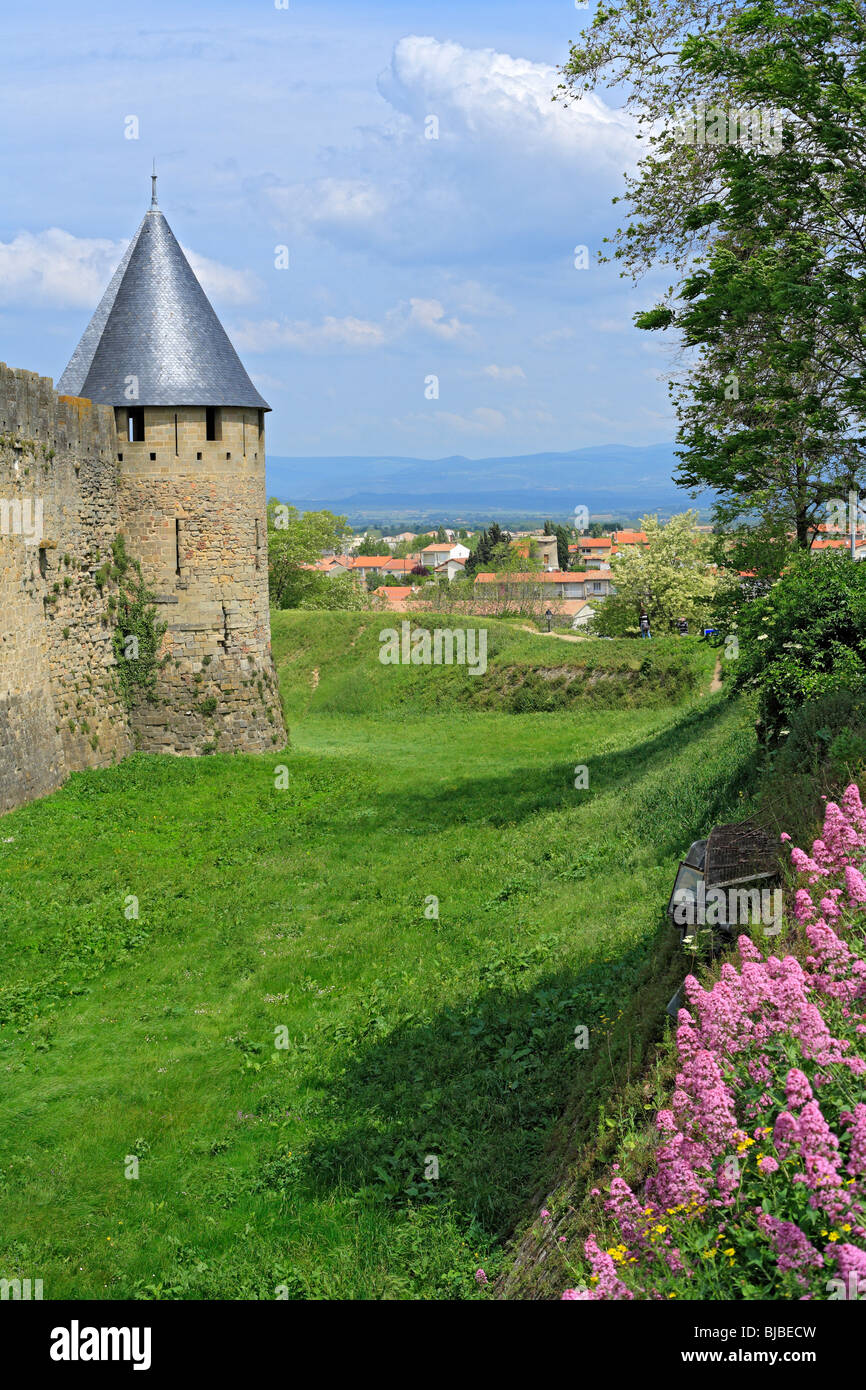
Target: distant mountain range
x=613 y=479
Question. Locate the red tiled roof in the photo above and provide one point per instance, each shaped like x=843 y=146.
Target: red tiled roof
x=543 y=577
x=393 y=592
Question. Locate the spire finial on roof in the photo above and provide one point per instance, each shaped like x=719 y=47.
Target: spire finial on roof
x=153 y=202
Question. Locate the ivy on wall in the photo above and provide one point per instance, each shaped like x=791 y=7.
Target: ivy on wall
x=137 y=634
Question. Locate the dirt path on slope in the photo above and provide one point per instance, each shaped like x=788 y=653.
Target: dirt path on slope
x=563 y=636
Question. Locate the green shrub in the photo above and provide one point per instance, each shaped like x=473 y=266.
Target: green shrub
x=804 y=639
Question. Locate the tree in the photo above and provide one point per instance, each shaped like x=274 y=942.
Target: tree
x=563 y=539
x=669 y=579
x=804 y=639
x=771 y=412
x=769 y=234
x=337 y=592
x=479 y=557
x=371 y=545
x=296 y=539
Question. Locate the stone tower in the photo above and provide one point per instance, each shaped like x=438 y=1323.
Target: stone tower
x=191 y=486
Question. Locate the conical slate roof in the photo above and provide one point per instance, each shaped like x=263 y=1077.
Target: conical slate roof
x=156 y=323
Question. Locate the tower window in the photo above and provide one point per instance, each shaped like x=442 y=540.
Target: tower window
x=177 y=546
x=135 y=426
x=213 y=423
x=175 y=436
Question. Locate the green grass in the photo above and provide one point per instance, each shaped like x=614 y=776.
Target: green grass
x=304 y=908
x=526 y=672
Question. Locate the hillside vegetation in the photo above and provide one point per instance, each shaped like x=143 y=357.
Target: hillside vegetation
x=525 y=672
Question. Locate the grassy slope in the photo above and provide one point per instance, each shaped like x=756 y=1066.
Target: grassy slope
x=344 y=648
x=304 y=907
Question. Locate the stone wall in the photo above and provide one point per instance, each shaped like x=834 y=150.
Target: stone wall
x=193 y=514
x=193 y=509
x=60 y=709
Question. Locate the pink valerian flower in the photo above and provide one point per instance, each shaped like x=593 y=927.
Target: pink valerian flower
x=609 y=1284
x=849 y=1260
x=797 y=1088
x=804 y=865
x=830 y=904
x=856 y=1164
x=480 y=1276
x=795 y=1251
x=631 y=1216
x=855 y=884
x=784 y=1132
x=747 y=949
x=748 y=1009
x=804 y=908
x=545 y=1216
x=819 y=1154
x=853 y=807
x=675 y=1180
x=732 y=1038
x=839 y=837
x=758 y=1069
x=835 y=969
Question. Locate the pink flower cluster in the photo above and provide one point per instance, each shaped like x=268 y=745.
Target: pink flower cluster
x=770 y=1059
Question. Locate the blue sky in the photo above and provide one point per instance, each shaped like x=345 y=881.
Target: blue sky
x=409 y=257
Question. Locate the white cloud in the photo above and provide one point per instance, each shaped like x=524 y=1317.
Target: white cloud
x=327 y=206
x=424 y=316
x=553 y=338
x=307 y=337
x=512 y=176
x=486 y=94
x=57 y=269
x=471 y=297
x=63 y=271
x=429 y=316
x=222 y=282
x=482 y=420
x=497 y=373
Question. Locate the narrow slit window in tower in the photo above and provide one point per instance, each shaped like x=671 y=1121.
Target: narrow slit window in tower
x=213 y=424
x=258 y=546
x=177 y=546
x=175 y=436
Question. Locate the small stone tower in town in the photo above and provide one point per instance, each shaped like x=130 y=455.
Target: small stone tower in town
x=190 y=454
